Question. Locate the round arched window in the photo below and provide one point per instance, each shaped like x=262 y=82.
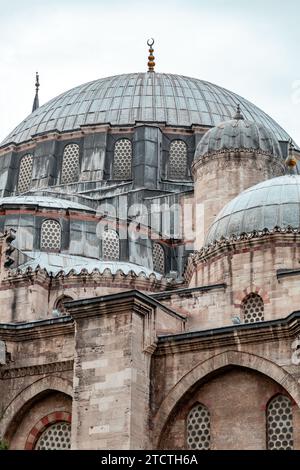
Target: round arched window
x=57 y=436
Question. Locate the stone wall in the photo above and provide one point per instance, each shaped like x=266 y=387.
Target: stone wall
x=220 y=178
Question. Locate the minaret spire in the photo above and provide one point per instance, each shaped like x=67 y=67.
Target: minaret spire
x=238 y=115
x=291 y=161
x=151 y=63
x=36 y=103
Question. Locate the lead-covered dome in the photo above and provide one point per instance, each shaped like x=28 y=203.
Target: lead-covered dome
x=273 y=203
x=239 y=134
x=148 y=97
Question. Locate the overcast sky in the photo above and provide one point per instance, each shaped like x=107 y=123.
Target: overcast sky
x=248 y=46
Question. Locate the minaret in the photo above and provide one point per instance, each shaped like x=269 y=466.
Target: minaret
x=36 y=103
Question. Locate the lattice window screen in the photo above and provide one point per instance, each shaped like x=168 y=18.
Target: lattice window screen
x=25 y=173
x=55 y=437
x=51 y=235
x=122 y=166
x=158 y=258
x=198 y=428
x=253 y=309
x=110 y=245
x=178 y=160
x=280 y=424
x=70 y=165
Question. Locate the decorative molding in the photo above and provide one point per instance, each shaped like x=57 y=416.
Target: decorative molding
x=41 y=329
x=42 y=424
x=234 y=243
x=231 y=336
x=39 y=369
x=202 y=160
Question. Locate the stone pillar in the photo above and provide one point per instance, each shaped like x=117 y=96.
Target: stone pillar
x=221 y=177
x=44 y=165
x=114 y=340
x=93 y=160
x=147 y=157
x=8 y=173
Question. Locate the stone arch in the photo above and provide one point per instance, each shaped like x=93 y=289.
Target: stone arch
x=49 y=383
x=43 y=424
x=215 y=363
x=240 y=296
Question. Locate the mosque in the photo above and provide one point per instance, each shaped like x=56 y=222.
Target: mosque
x=149 y=271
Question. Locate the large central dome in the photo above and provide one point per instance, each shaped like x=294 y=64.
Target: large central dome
x=148 y=97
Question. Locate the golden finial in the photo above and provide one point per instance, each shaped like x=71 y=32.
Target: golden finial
x=151 y=63
x=291 y=160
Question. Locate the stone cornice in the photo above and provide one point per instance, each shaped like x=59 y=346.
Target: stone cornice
x=245 y=242
x=122 y=302
x=233 y=153
x=36 y=330
x=270 y=331
x=186 y=292
x=40 y=369
x=72 y=279
x=88 y=129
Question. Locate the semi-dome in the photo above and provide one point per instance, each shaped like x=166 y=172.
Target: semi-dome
x=239 y=134
x=273 y=203
x=148 y=97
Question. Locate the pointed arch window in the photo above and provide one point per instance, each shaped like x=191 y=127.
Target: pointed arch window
x=198 y=428
x=25 y=173
x=70 y=164
x=177 y=169
x=280 y=424
x=110 y=245
x=158 y=255
x=253 y=309
x=122 y=165
x=51 y=236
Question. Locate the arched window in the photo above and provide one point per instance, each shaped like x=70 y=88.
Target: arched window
x=70 y=164
x=51 y=235
x=110 y=245
x=57 y=436
x=280 y=424
x=60 y=304
x=198 y=428
x=122 y=166
x=253 y=309
x=25 y=173
x=158 y=255
x=177 y=169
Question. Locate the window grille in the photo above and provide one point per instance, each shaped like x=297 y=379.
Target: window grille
x=70 y=164
x=178 y=160
x=253 y=309
x=111 y=245
x=122 y=166
x=198 y=428
x=25 y=173
x=158 y=258
x=51 y=235
x=280 y=424
x=55 y=437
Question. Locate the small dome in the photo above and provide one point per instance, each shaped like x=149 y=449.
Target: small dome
x=273 y=203
x=238 y=134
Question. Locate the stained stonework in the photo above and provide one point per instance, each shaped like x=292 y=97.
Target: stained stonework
x=213 y=189
x=122 y=309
